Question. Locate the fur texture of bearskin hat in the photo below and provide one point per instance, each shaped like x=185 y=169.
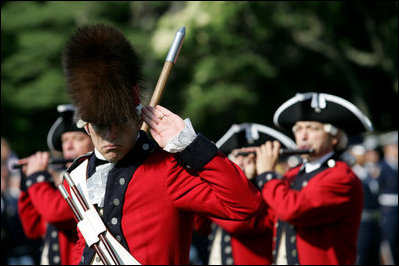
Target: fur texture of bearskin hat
x=101 y=69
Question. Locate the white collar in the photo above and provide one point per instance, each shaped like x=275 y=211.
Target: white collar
x=311 y=166
x=99 y=155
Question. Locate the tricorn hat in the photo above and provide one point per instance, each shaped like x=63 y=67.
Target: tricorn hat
x=64 y=123
x=103 y=72
x=251 y=134
x=324 y=108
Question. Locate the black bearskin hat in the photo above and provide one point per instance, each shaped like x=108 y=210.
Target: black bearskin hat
x=102 y=71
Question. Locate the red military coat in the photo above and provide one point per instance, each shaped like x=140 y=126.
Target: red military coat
x=151 y=197
x=41 y=204
x=249 y=242
x=325 y=213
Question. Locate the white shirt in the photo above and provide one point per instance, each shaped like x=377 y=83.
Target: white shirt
x=311 y=166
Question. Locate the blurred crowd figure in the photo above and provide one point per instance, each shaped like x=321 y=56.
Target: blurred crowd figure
x=366 y=168
x=16 y=248
x=388 y=198
x=375 y=162
x=250 y=242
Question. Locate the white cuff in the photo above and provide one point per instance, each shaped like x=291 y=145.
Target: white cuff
x=183 y=139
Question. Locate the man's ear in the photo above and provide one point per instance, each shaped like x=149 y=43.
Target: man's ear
x=87 y=129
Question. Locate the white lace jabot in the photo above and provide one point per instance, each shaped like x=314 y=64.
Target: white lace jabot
x=97 y=183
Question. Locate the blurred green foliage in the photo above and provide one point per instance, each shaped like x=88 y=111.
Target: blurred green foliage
x=239 y=62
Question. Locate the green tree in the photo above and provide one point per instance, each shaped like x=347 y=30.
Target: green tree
x=239 y=61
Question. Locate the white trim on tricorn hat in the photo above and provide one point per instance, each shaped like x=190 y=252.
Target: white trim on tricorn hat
x=51 y=133
x=324 y=108
x=252 y=134
x=388 y=138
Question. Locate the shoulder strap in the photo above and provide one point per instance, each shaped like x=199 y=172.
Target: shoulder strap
x=92 y=225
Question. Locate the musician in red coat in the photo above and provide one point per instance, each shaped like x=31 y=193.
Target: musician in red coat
x=146 y=191
x=43 y=211
x=317 y=205
x=242 y=242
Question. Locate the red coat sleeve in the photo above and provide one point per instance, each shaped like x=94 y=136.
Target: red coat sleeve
x=32 y=222
x=260 y=223
x=49 y=202
x=263 y=221
x=327 y=197
x=220 y=189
